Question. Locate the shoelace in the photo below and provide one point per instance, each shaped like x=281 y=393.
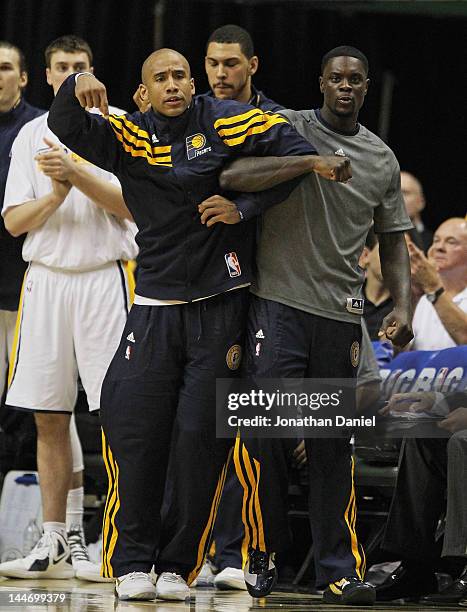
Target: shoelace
x=260 y=561
x=137 y=576
x=41 y=549
x=171 y=577
x=77 y=546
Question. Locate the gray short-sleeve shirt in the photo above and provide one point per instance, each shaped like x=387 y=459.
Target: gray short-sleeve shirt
x=310 y=244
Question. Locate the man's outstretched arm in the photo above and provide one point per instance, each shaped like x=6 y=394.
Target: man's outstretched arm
x=87 y=134
x=251 y=174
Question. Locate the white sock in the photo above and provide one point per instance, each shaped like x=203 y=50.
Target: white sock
x=50 y=526
x=74 y=508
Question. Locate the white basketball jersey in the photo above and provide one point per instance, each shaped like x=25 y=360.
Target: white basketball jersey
x=78 y=235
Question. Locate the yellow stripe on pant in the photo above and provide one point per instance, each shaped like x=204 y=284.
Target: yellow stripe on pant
x=130 y=267
x=255 y=505
x=206 y=537
x=16 y=337
x=247 y=518
x=251 y=508
x=112 y=505
x=350 y=516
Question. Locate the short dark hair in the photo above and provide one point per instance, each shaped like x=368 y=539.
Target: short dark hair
x=344 y=51
x=69 y=44
x=22 y=60
x=233 y=34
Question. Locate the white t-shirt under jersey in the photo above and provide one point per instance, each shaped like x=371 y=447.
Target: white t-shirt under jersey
x=78 y=235
x=429 y=332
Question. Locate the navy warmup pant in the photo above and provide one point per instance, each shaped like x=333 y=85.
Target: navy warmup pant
x=296 y=344
x=164 y=371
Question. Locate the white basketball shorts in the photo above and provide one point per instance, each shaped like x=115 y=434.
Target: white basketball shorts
x=69 y=323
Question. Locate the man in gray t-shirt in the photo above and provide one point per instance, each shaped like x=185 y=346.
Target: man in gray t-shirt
x=310 y=245
x=305 y=314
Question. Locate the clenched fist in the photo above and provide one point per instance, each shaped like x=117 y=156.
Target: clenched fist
x=333 y=167
x=91 y=93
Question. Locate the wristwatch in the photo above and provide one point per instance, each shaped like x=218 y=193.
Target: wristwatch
x=433 y=297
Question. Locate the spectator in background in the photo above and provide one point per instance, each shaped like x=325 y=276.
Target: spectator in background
x=14 y=113
x=415 y=202
x=425 y=465
x=440 y=319
x=431 y=481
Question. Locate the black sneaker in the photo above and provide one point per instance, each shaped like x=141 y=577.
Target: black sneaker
x=350 y=591
x=452 y=594
x=408 y=582
x=260 y=573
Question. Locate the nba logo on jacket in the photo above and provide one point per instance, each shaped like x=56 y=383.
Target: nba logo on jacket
x=233 y=265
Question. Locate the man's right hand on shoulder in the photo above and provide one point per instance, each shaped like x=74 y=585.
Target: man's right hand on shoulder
x=333 y=168
x=91 y=93
x=142 y=104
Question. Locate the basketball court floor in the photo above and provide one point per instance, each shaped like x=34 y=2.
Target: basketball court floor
x=76 y=596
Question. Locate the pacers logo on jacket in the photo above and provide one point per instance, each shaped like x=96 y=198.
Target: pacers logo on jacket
x=195 y=144
x=233 y=265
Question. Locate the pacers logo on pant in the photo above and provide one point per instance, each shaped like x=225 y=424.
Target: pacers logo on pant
x=355 y=354
x=234 y=357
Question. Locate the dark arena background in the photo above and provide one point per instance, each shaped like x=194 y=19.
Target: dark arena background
x=417 y=54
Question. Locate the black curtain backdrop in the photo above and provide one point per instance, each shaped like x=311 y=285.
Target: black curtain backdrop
x=120 y=35
x=426 y=55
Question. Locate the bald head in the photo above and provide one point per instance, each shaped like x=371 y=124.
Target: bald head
x=449 y=248
x=163 y=57
x=457 y=225
x=167 y=83
x=413 y=195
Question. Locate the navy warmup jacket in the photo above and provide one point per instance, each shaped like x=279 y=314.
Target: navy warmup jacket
x=167 y=166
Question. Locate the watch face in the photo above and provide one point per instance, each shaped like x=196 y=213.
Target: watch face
x=433 y=297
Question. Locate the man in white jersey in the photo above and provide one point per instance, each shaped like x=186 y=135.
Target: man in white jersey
x=73 y=308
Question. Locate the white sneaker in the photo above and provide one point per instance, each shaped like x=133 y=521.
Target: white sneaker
x=95 y=551
x=84 y=568
x=50 y=558
x=206 y=576
x=230 y=578
x=172 y=586
x=136 y=585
